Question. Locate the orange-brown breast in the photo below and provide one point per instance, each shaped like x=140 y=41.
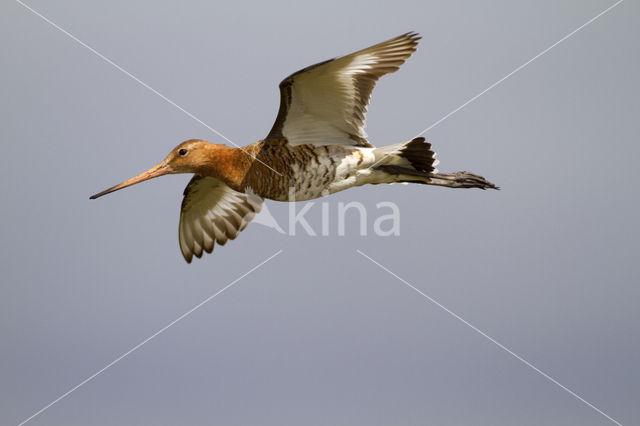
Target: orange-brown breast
x=276 y=169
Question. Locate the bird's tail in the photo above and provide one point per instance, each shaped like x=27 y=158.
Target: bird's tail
x=414 y=161
x=415 y=156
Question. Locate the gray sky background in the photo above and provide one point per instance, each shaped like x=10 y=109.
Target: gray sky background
x=548 y=266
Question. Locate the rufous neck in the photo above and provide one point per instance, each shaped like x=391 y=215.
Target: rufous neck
x=226 y=163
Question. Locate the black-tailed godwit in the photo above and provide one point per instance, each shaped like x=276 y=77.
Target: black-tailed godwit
x=317 y=146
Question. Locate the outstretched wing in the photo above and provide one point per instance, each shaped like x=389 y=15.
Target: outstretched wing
x=326 y=103
x=213 y=213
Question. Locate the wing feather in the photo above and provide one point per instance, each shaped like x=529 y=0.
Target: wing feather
x=327 y=103
x=212 y=213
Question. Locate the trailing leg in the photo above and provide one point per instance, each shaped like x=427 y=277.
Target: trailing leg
x=415 y=162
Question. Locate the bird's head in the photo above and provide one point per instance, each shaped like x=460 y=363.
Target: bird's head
x=188 y=157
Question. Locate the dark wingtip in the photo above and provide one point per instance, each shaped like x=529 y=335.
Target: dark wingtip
x=413 y=35
x=489 y=185
x=492 y=186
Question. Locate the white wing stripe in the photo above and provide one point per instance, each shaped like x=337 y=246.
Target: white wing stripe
x=326 y=103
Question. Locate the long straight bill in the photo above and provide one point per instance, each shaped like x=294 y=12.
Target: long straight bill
x=159 y=170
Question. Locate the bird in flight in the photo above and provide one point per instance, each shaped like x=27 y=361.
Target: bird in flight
x=317 y=146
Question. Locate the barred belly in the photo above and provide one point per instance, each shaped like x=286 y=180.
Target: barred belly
x=322 y=170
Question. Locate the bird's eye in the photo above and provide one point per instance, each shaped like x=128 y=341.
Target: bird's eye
x=182 y=152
